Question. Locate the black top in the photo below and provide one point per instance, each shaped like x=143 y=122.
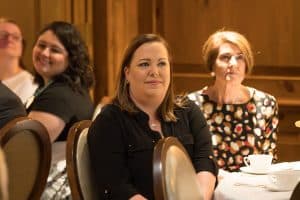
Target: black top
x=10 y=105
x=121 y=148
x=59 y=99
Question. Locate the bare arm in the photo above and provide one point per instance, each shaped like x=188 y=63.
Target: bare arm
x=207 y=182
x=53 y=124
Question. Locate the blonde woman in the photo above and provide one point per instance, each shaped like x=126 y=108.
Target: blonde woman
x=242 y=119
x=12 y=69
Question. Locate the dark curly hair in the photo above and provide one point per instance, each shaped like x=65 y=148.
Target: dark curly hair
x=79 y=74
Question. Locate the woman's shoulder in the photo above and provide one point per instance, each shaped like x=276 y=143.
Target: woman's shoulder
x=63 y=90
x=198 y=92
x=110 y=108
x=199 y=97
x=259 y=95
x=110 y=114
x=186 y=104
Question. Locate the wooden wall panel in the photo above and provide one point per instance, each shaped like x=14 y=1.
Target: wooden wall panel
x=15 y=10
x=270 y=25
x=115 y=24
x=52 y=10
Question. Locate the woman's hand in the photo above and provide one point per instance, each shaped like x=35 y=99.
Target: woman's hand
x=207 y=183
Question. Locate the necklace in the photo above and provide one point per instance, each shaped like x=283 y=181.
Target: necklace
x=38 y=91
x=156 y=127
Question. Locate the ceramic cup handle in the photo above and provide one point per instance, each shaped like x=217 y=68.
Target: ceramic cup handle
x=246 y=161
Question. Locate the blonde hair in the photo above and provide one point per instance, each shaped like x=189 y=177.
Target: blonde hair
x=11 y=21
x=3 y=177
x=211 y=47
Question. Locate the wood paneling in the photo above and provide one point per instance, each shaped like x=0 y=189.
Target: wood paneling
x=270 y=25
x=115 y=24
x=15 y=10
x=53 y=10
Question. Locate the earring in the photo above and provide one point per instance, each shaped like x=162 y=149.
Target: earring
x=126 y=82
x=212 y=74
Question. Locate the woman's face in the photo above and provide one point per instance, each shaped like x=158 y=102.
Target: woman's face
x=49 y=56
x=230 y=65
x=149 y=72
x=10 y=40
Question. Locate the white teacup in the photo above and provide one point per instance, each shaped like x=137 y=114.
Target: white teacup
x=258 y=162
x=284 y=180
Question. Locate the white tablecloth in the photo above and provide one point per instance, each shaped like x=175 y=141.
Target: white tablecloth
x=239 y=185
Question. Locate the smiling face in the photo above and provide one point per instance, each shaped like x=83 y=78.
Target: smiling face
x=49 y=56
x=149 y=72
x=230 y=64
x=10 y=40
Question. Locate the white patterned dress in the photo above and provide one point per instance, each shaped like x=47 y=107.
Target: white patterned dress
x=240 y=129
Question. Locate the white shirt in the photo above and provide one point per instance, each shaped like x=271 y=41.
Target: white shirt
x=22 y=84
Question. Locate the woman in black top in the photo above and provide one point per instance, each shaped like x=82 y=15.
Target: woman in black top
x=10 y=105
x=64 y=76
x=123 y=136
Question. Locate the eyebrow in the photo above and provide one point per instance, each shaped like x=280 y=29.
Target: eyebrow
x=228 y=53
x=51 y=45
x=144 y=59
x=148 y=59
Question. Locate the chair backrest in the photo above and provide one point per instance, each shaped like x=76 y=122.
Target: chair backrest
x=174 y=176
x=79 y=170
x=296 y=193
x=27 y=148
x=97 y=110
x=3 y=177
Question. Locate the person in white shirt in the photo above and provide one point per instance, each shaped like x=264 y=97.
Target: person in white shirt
x=12 y=72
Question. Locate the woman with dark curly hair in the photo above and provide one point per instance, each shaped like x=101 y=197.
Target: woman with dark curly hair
x=63 y=73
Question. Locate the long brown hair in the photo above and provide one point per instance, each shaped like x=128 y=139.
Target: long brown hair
x=122 y=98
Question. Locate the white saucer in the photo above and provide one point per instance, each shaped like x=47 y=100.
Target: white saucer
x=274 y=188
x=249 y=170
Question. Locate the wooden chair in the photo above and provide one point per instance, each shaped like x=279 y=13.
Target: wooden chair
x=3 y=177
x=97 y=110
x=80 y=178
x=296 y=193
x=27 y=148
x=174 y=176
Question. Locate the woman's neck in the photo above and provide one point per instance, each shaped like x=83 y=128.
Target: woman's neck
x=228 y=93
x=149 y=106
x=47 y=80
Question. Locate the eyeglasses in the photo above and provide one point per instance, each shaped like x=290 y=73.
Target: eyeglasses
x=5 y=35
